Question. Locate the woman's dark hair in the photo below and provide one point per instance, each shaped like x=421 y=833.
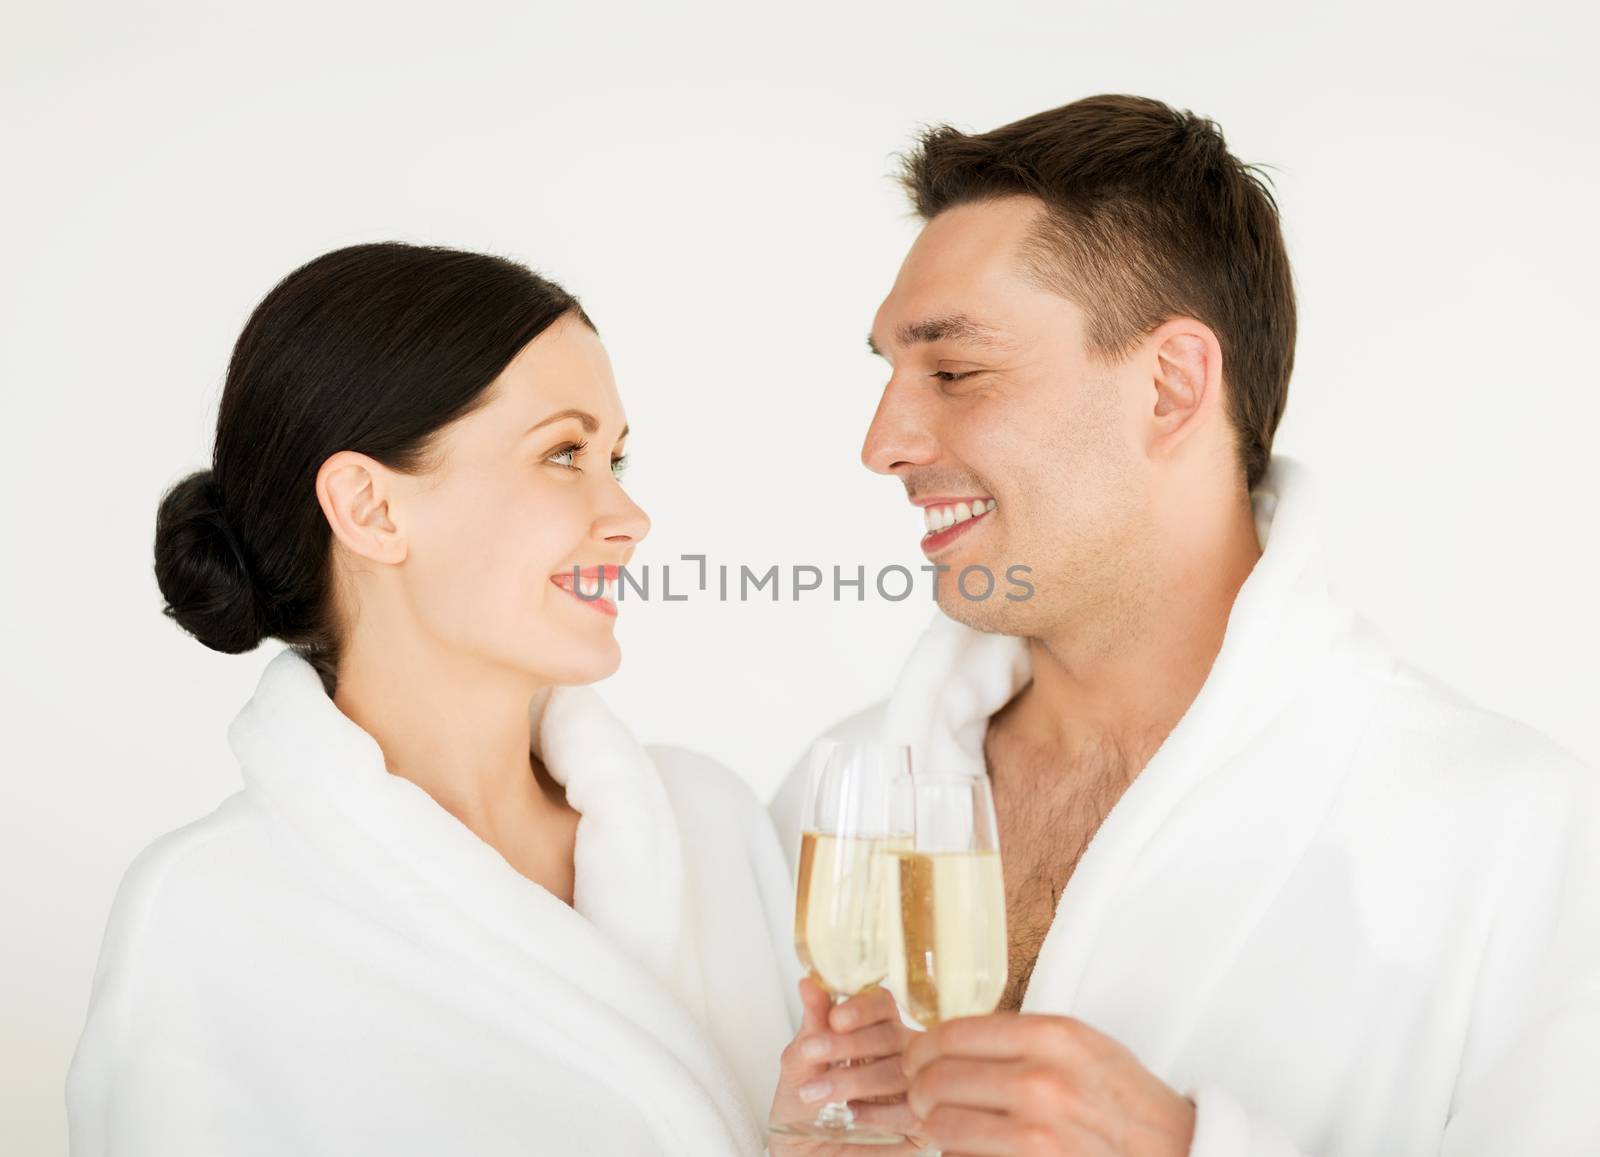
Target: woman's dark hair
x=1149 y=217
x=372 y=348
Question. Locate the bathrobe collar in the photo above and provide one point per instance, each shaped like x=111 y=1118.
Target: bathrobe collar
x=1283 y=634
x=957 y=677
x=296 y=746
x=624 y=943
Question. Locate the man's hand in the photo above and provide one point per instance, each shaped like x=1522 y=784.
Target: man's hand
x=1040 y=1086
x=865 y=1029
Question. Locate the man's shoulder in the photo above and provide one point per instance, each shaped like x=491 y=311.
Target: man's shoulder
x=1417 y=707
x=866 y=723
x=1440 y=745
x=787 y=803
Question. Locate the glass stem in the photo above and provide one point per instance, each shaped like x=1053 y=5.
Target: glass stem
x=836 y=1114
x=929 y=1150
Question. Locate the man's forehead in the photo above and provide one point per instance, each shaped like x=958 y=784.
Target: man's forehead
x=978 y=232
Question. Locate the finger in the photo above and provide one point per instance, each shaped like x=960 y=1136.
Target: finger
x=881 y=1040
x=874 y=1006
x=884 y=1078
x=806 y=1055
x=799 y=1063
x=814 y=1003
x=1014 y=1035
x=921 y=1050
x=895 y=1117
x=993 y=1085
x=1005 y=1036
x=978 y=1133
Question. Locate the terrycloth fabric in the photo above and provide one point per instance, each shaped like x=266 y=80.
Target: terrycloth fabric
x=332 y=963
x=1347 y=912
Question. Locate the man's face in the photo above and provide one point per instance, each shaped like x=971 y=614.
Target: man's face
x=993 y=397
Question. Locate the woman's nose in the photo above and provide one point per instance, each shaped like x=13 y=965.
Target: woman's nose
x=624 y=522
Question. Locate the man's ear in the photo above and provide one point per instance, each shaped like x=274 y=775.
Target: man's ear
x=354 y=491
x=1186 y=380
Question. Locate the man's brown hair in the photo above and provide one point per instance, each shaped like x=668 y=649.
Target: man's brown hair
x=1149 y=217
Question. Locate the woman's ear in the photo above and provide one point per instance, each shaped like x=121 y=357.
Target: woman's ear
x=354 y=492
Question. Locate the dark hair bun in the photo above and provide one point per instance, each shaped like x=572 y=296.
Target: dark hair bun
x=201 y=569
x=373 y=349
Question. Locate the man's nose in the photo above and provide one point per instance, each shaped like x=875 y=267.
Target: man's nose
x=901 y=434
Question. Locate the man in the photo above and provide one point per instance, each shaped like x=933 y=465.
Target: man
x=1268 y=890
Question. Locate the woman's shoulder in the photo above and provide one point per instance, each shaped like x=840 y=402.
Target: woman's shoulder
x=187 y=876
x=718 y=812
x=185 y=859
x=705 y=786
x=177 y=894
x=733 y=853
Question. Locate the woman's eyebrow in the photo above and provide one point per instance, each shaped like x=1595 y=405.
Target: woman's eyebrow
x=590 y=422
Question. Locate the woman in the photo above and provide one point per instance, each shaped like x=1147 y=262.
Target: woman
x=456 y=907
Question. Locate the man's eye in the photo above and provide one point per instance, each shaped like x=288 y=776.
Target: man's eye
x=951 y=376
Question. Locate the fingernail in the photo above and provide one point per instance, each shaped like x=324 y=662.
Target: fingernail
x=815 y=1091
x=844 y=1021
x=814 y=1049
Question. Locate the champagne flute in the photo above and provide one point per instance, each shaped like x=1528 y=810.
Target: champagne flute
x=952 y=902
x=845 y=928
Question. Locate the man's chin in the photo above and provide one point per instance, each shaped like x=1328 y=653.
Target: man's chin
x=994 y=614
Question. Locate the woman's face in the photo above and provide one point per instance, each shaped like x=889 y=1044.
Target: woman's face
x=527 y=490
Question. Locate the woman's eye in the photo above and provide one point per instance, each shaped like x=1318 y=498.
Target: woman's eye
x=564 y=456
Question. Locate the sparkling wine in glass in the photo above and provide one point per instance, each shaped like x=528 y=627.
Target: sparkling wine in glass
x=846 y=925
x=952 y=901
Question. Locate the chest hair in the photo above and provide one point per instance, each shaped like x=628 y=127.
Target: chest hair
x=1048 y=808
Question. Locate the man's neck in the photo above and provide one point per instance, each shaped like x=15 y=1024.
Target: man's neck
x=1124 y=689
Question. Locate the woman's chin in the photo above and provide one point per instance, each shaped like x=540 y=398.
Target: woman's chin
x=585 y=661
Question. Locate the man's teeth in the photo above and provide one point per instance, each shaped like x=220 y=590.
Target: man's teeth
x=940 y=517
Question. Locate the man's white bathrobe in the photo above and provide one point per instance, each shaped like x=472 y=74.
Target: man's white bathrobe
x=1347 y=912
x=331 y=963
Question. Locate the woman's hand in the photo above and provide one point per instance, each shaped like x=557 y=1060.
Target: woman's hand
x=865 y=1029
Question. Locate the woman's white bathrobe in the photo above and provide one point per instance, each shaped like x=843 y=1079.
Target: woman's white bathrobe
x=331 y=963
x=1347 y=912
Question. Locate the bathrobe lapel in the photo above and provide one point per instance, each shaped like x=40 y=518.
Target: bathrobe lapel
x=615 y=981
x=1136 y=941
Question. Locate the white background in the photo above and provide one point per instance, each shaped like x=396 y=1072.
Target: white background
x=714 y=184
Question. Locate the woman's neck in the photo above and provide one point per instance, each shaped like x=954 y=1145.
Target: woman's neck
x=462 y=732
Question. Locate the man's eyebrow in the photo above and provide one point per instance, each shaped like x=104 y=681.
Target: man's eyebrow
x=950 y=327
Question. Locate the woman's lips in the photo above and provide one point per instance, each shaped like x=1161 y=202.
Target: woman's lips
x=596 y=584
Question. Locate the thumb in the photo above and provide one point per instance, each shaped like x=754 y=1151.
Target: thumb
x=815 y=1004
x=795 y=1068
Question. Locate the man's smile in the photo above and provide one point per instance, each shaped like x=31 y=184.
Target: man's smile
x=947 y=519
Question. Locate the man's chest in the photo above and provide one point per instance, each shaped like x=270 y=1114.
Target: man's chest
x=1047 y=817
